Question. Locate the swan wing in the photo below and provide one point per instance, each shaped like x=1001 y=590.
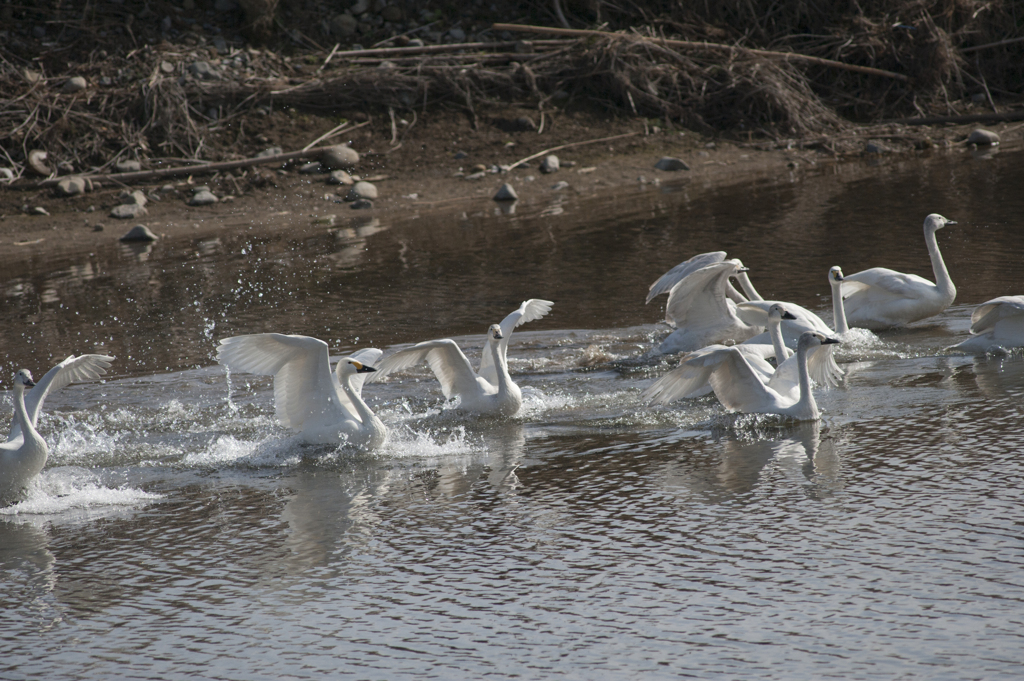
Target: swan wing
x=739 y=386
x=304 y=386
x=987 y=315
x=881 y=281
x=686 y=380
x=679 y=272
x=71 y=370
x=699 y=301
x=821 y=367
x=446 y=360
x=530 y=310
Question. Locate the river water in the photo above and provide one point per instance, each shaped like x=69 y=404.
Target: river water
x=178 y=532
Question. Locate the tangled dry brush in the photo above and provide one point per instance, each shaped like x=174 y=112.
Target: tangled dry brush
x=949 y=55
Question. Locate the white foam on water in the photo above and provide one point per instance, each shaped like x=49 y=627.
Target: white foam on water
x=227 y=450
x=58 y=490
x=442 y=442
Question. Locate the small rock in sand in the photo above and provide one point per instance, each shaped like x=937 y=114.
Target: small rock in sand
x=127 y=211
x=362 y=203
x=202 y=197
x=671 y=164
x=549 y=164
x=74 y=84
x=361 y=190
x=128 y=166
x=983 y=138
x=339 y=177
x=506 y=193
x=339 y=157
x=70 y=186
x=137 y=233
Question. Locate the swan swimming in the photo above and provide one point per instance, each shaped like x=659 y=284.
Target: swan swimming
x=24 y=454
x=23 y=458
x=880 y=298
x=738 y=386
x=700 y=309
x=489 y=391
x=324 y=407
x=751 y=308
x=996 y=324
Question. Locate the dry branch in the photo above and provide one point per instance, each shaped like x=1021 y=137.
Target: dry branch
x=689 y=44
x=145 y=175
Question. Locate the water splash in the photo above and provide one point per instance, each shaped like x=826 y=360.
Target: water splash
x=58 y=490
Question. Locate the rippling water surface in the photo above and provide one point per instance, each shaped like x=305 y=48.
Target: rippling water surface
x=178 y=531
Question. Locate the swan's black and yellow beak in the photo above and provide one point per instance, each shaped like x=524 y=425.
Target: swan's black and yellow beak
x=788 y=315
x=830 y=341
x=30 y=383
x=362 y=368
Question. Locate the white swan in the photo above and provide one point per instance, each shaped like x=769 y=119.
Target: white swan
x=738 y=385
x=835 y=282
x=324 y=407
x=701 y=311
x=996 y=324
x=489 y=391
x=667 y=281
x=880 y=298
x=24 y=454
x=71 y=370
x=784 y=378
x=23 y=458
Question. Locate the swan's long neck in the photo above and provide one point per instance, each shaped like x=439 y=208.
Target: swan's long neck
x=366 y=414
x=775 y=333
x=501 y=362
x=838 y=311
x=942 y=280
x=22 y=420
x=748 y=288
x=806 y=402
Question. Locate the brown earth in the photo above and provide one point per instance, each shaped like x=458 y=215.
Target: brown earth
x=417 y=169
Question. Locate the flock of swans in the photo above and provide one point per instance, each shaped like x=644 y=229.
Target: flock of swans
x=728 y=336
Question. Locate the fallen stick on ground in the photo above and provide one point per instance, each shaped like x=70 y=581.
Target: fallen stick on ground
x=689 y=44
x=145 y=175
x=573 y=144
x=330 y=133
x=1017 y=115
x=435 y=49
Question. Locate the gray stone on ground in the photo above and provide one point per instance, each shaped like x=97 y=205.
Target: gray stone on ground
x=270 y=151
x=74 y=84
x=310 y=168
x=671 y=164
x=360 y=7
x=70 y=186
x=983 y=137
x=202 y=70
x=478 y=175
x=136 y=233
x=558 y=186
x=128 y=165
x=6 y=174
x=457 y=34
x=343 y=25
x=202 y=197
x=506 y=193
x=549 y=164
x=874 y=148
x=339 y=177
x=362 y=203
x=127 y=211
x=525 y=123
x=38 y=210
x=339 y=157
x=361 y=190
x=135 y=197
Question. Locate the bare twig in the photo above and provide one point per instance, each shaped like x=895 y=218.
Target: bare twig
x=146 y=175
x=573 y=144
x=689 y=44
x=334 y=131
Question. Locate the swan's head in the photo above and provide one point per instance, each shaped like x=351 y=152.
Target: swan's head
x=810 y=340
x=738 y=265
x=349 y=366
x=778 y=312
x=936 y=221
x=835 y=276
x=24 y=378
x=494 y=331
